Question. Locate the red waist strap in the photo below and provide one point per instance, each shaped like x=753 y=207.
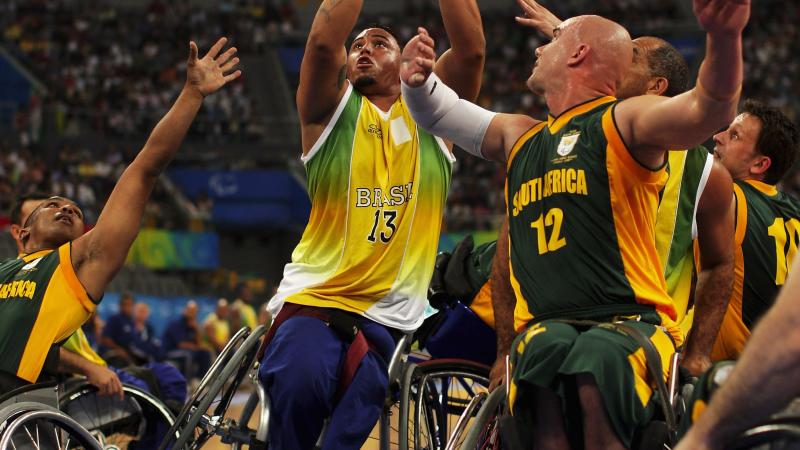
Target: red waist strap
x=359 y=345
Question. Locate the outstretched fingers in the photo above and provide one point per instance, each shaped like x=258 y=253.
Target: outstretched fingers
x=226 y=57
x=215 y=49
x=229 y=65
x=232 y=76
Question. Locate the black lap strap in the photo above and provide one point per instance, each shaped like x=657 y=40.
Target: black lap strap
x=653 y=359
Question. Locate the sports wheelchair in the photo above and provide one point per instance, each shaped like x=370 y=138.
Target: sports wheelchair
x=479 y=427
x=71 y=414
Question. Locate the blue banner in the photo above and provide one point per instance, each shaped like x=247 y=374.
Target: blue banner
x=248 y=198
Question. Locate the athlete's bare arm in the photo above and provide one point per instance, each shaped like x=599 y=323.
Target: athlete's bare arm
x=763 y=381
x=105 y=380
x=461 y=67
x=715 y=230
x=503 y=303
x=503 y=130
x=650 y=124
x=323 y=71
x=99 y=254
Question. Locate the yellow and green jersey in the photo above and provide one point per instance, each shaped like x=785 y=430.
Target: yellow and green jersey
x=42 y=302
x=676 y=226
x=582 y=223
x=79 y=344
x=767 y=235
x=378 y=187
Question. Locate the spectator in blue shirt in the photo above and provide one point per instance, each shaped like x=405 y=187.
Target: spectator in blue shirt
x=182 y=343
x=119 y=332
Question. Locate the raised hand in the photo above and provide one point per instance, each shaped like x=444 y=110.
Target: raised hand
x=208 y=74
x=725 y=17
x=538 y=17
x=418 y=59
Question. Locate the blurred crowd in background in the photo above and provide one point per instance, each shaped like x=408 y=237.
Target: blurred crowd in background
x=118 y=76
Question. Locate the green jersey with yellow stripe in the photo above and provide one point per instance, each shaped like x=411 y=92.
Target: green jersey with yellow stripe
x=582 y=222
x=767 y=236
x=378 y=185
x=42 y=302
x=676 y=225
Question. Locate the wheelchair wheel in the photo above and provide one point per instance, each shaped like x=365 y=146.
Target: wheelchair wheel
x=484 y=432
x=777 y=434
x=139 y=421
x=434 y=396
x=32 y=426
x=195 y=424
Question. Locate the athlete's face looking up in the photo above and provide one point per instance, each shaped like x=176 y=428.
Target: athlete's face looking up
x=373 y=64
x=53 y=222
x=550 y=58
x=736 y=148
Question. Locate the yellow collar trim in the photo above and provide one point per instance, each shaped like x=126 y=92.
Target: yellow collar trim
x=556 y=123
x=765 y=188
x=30 y=257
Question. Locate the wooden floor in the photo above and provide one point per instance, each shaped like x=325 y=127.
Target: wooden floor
x=235 y=409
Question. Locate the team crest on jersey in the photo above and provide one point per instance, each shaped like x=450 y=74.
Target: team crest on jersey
x=568 y=143
x=30 y=267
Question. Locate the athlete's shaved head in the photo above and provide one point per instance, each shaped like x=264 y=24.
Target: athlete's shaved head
x=587 y=52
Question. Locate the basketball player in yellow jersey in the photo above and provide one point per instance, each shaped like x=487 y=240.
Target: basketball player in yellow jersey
x=582 y=195
x=378 y=185
x=696 y=198
x=50 y=290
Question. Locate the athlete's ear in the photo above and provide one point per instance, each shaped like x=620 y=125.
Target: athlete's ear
x=15 y=229
x=657 y=86
x=24 y=234
x=578 y=55
x=761 y=165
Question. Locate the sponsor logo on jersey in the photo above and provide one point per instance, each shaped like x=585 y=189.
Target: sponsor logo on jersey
x=376 y=130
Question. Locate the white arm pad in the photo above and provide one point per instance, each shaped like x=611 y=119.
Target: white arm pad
x=438 y=110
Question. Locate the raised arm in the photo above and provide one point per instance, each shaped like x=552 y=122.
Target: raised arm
x=324 y=67
x=461 y=67
x=99 y=254
x=650 y=124
x=437 y=108
x=715 y=224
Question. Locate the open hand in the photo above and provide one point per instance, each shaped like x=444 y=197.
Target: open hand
x=418 y=59
x=208 y=74
x=538 y=17
x=722 y=16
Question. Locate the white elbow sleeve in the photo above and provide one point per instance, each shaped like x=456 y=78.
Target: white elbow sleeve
x=437 y=109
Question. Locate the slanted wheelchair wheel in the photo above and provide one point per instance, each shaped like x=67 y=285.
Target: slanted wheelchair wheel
x=138 y=422
x=484 y=432
x=434 y=396
x=781 y=433
x=196 y=423
x=29 y=426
